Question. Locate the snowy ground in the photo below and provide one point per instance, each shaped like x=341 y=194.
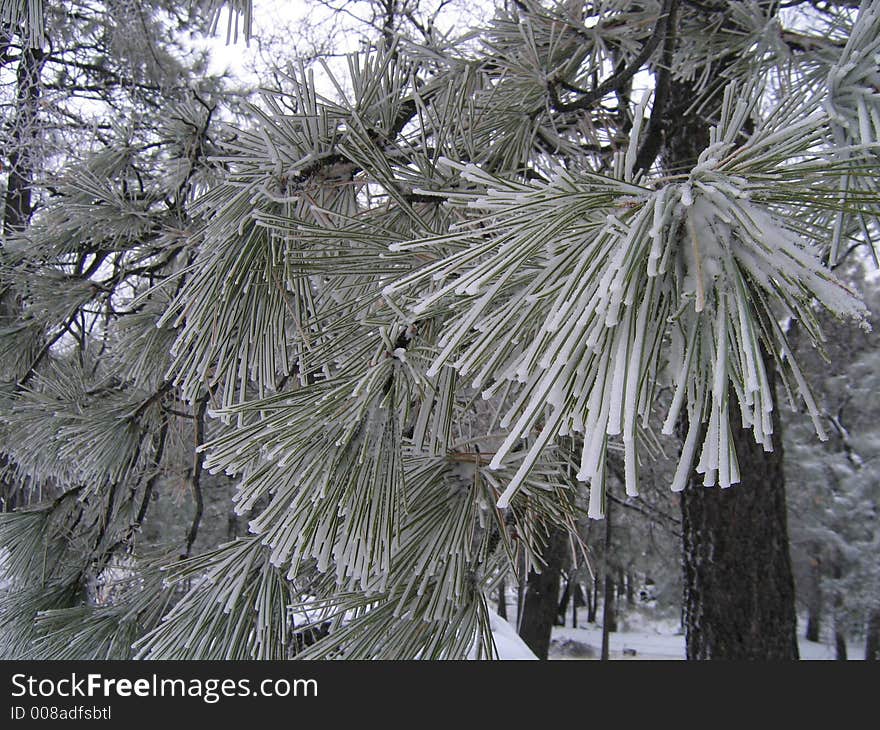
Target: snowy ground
x=644 y=634
x=642 y=637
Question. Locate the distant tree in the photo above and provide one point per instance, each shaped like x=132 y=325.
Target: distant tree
x=109 y=126
x=834 y=509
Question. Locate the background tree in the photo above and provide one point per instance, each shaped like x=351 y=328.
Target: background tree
x=834 y=508
x=106 y=143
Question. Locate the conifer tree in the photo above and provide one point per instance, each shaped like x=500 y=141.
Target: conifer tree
x=416 y=318
x=110 y=130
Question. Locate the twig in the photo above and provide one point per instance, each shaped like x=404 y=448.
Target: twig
x=154 y=477
x=659 y=111
x=195 y=482
x=615 y=81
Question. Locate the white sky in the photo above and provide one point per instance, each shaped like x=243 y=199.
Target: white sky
x=283 y=20
x=268 y=17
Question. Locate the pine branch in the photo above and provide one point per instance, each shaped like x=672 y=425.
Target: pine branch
x=158 y=454
x=620 y=78
x=196 y=478
x=660 y=118
x=156 y=396
x=65 y=328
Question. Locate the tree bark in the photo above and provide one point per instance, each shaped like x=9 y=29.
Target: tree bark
x=814 y=600
x=609 y=622
x=839 y=646
x=18 y=201
x=22 y=152
x=593 y=600
x=738 y=584
x=502 y=600
x=541 y=599
x=739 y=600
x=630 y=589
x=609 y=614
x=563 y=601
x=872 y=642
x=839 y=635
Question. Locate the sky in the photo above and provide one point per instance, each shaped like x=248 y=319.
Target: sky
x=235 y=55
x=294 y=26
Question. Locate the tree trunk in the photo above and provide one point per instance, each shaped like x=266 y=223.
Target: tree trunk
x=739 y=600
x=17 y=204
x=738 y=583
x=839 y=636
x=814 y=600
x=563 y=601
x=813 y=623
x=502 y=600
x=609 y=622
x=22 y=152
x=872 y=642
x=839 y=646
x=541 y=599
x=593 y=600
x=610 y=595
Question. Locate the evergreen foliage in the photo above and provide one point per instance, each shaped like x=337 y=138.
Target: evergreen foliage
x=413 y=318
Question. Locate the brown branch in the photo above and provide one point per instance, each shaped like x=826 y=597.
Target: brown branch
x=31 y=371
x=163 y=388
x=618 y=79
x=195 y=481
x=655 y=132
x=158 y=453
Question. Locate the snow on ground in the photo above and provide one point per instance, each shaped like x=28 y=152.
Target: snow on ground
x=507 y=641
x=643 y=637
x=640 y=637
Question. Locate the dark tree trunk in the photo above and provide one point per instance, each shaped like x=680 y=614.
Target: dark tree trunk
x=738 y=583
x=577 y=600
x=839 y=646
x=17 y=203
x=839 y=636
x=814 y=600
x=541 y=599
x=502 y=601
x=739 y=600
x=872 y=642
x=630 y=590
x=25 y=135
x=609 y=621
x=813 y=624
x=593 y=600
x=573 y=594
x=563 y=601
